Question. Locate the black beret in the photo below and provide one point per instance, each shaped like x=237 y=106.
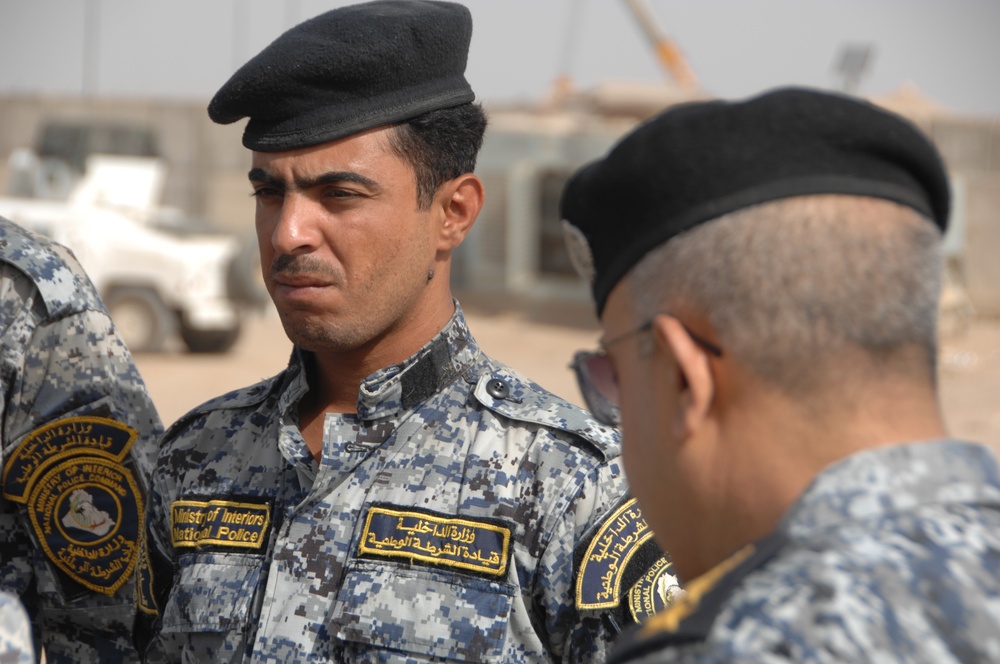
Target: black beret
x=698 y=161
x=348 y=70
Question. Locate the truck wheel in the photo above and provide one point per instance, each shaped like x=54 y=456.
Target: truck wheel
x=209 y=341
x=243 y=279
x=142 y=319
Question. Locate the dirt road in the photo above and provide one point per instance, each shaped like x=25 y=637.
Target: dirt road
x=539 y=341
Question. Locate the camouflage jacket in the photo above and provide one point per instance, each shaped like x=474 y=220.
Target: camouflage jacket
x=891 y=555
x=78 y=439
x=15 y=632
x=462 y=514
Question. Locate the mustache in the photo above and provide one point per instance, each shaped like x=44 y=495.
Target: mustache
x=287 y=265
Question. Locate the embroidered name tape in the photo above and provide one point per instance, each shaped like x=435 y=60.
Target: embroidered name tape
x=220 y=523
x=603 y=565
x=474 y=545
x=84 y=506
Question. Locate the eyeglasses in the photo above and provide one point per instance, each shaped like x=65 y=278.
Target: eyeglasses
x=596 y=376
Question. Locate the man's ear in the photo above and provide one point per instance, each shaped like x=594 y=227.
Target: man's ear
x=460 y=199
x=696 y=384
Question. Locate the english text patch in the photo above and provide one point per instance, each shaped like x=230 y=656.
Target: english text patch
x=219 y=523
x=654 y=591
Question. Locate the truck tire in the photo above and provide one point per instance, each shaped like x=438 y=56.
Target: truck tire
x=209 y=341
x=244 y=282
x=142 y=319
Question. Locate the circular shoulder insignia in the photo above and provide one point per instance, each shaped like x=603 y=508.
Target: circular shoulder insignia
x=579 y=252
x=83 y=503
x=86 y=513
x=654 y=591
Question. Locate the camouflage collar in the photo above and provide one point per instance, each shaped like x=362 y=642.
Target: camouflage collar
x=400 y=387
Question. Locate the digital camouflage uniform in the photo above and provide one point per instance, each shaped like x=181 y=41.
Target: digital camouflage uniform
x=15 y=632
x=79 y=434
x=892 y=555
x=463 y=514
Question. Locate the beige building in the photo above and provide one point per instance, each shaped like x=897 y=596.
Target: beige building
x=529 y=152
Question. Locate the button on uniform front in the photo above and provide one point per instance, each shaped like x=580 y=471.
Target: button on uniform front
x=498 y=388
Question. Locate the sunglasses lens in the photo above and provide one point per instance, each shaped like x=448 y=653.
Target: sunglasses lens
x=598 y=385
x=602 y=376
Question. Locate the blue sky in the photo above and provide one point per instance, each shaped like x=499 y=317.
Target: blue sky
x=185 y=49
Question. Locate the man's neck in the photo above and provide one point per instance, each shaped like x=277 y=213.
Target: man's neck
x=777 y=450
x=335 y=378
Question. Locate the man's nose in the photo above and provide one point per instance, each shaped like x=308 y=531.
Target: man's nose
x=296 y=229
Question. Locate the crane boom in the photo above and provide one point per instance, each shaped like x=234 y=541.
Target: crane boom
x=667 y=52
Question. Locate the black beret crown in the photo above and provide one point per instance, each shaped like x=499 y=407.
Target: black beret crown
x=348 y=70
x=698 y=161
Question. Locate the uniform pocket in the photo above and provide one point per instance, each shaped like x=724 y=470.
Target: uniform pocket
x=421 y=611
x=211 y=593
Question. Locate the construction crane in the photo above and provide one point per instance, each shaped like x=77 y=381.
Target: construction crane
x=667 y=52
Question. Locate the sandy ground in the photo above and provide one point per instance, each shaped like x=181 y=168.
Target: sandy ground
x=539 y=340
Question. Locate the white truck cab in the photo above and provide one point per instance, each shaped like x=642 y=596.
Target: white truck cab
x=159 y=272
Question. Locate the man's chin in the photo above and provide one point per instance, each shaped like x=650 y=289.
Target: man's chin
x=317 y=336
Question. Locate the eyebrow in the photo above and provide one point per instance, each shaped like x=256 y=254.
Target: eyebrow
x=330 y=177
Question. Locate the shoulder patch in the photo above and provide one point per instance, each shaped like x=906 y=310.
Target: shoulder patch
x=471 y=544
x=84 y=506
x=509 y=394
x=622 y=570
x=655 y=590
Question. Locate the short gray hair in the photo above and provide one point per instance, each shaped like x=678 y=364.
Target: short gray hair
x=787 y=285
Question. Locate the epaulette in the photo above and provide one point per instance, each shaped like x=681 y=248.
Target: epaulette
x=52 y=268
x=241 y=398
x=507 y=393
x=689 y=619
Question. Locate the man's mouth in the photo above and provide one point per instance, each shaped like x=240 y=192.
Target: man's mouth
x=300 y=281
x=300 y=272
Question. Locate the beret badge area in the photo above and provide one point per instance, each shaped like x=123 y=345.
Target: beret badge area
x=83 y=504
x=580 y=254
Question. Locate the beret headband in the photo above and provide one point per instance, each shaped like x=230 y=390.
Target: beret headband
x=348 y=70
x=696 y=162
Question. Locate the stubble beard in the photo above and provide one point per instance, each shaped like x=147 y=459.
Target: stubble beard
x=327 y=335
x=324 y=332
x=310 y=328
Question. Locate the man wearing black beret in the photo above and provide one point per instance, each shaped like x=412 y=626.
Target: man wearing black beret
x=767 y=275
x=394 y=494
